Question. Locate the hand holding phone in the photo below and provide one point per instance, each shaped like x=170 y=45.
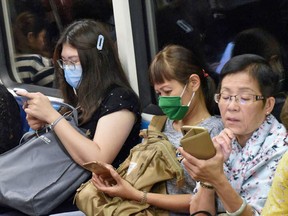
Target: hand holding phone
x=197 y=142
x=99 y=169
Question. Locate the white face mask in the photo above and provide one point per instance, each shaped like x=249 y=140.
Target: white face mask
x=73 y=77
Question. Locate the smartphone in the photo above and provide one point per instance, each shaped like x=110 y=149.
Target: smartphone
x=99 y=169
x=197 y=142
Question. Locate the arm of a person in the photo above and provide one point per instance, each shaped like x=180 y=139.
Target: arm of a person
x=45 y=72
x=40 y=69
x=230 y=199
x=211 y=172
x=111 y=132
x=203 y=200
x=203 y=171
x=276 y=204
x=170 y=202
x=44 y=77
x=123 y=189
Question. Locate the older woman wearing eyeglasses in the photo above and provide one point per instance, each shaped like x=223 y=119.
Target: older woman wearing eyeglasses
x=237 y=179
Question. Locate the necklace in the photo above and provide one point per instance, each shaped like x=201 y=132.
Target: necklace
x=177 y=126
x=198 y=122
x=201 y=120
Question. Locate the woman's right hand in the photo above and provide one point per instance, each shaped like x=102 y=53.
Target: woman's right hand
x=224 y=139
x=122 y=188
x=39 y=106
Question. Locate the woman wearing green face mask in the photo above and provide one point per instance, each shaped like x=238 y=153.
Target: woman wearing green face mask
x=184 y=87
x=186 y=93
x=172 y=107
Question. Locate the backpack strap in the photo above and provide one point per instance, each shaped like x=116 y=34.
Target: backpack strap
x=157 y=122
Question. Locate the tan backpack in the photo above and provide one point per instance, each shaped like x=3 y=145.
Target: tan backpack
x=156 y=162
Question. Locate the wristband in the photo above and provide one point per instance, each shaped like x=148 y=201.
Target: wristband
x=207 y=186
x=144 y=198
x=240 y=210
x=53 y=124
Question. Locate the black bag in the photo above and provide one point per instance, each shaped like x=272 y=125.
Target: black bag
x=39 y=174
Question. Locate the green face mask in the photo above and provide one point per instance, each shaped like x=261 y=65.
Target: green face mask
x=172 y=106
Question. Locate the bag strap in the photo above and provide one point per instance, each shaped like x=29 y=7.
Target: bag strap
x=157 y=122
x=73 y=109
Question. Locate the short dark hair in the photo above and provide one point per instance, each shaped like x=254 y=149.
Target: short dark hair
x=257 y=67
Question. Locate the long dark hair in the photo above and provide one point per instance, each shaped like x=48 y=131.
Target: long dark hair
x=101 y=68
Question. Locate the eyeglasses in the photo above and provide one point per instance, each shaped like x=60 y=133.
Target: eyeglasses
x=68 y=64
x=243 y=99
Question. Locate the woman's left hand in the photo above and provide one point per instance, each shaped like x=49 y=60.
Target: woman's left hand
x=204 y=170
x=121 y=188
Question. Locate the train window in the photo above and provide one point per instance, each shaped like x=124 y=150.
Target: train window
x=143 y=28
x=209 y=28
x=210 y=25
x=35 y=26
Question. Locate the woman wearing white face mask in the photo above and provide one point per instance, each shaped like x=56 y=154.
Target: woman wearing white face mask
x=186 y=96
x=90 y=77
x=72 y=72
x=71 y=66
